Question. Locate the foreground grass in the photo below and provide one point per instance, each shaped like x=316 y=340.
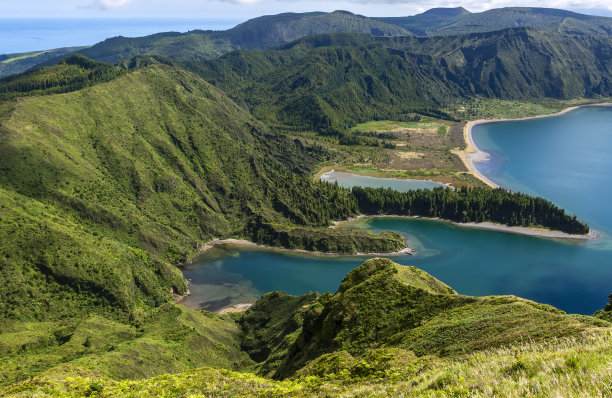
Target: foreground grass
x=578 y=366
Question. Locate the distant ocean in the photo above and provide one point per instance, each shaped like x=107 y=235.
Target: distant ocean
x=24 y=35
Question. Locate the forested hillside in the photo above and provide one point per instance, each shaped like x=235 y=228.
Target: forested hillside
x=258 y=33
x=72 y=73
x=14 y=64
x=106 y=189
x=329 y=83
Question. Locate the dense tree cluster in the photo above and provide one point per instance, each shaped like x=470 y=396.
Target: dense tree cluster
x=306 y=202
x=470 y=205
x=71 y=74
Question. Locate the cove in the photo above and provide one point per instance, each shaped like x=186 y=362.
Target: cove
x=565 y=159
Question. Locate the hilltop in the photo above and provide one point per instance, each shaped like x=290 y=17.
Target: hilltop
x=274 y=30
x=389 y=329
x=255 y=34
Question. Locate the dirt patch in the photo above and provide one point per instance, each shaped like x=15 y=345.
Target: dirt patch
x=410 y=155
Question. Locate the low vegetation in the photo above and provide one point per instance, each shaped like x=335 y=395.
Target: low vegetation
x=388 y=330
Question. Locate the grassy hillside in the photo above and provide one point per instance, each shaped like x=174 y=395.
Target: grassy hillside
x=170 y=338
x=381 y=304
x=388 y=330
x=106 y=189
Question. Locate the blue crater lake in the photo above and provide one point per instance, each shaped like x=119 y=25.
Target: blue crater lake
x=566 y=159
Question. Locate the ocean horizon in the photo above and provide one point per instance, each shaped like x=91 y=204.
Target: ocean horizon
x=20 y=35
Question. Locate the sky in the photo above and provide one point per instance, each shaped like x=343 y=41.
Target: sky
x=245 y=9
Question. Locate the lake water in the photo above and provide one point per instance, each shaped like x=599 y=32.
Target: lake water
x=23 y=35
x=348 y=180
x=567 y=159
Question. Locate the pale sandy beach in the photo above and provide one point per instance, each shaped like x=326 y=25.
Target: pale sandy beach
x=540 y=232
x=472 y=154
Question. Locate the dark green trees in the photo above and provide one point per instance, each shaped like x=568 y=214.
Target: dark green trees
x=470 y=205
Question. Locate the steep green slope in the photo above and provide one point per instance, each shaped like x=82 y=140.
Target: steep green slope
x=72 y=73
x=520 y=63
x=382 y=304
x=169 y=339
x=104 y=190
x=258 y=33
x=453 y=21
x=389 y=330
x=329 y=83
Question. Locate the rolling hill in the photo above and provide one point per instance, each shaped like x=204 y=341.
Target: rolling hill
x=388 y=330
x=255 y=34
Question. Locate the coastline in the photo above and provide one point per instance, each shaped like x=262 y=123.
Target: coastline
x=529 y=231
x=472 y=154
x=247 y=243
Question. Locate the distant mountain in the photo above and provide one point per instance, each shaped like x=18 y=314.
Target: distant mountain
x=450 y=21
x=258 y=33
x=429 y=21
x=131 y=174
x=274 y=30
x=331 y=82
x=12 y=64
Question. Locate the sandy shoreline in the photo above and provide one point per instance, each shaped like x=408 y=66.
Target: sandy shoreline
x=543 y=233
x=243 y=242
x=472 y=154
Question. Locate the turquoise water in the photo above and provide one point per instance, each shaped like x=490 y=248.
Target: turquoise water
x=348 y=180
x=567 y=159
x=34 y=34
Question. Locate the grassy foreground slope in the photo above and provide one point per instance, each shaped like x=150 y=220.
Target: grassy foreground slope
x=388 y=330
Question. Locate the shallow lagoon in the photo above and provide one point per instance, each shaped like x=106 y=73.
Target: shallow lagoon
x=348 y=180
x=567 y=159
